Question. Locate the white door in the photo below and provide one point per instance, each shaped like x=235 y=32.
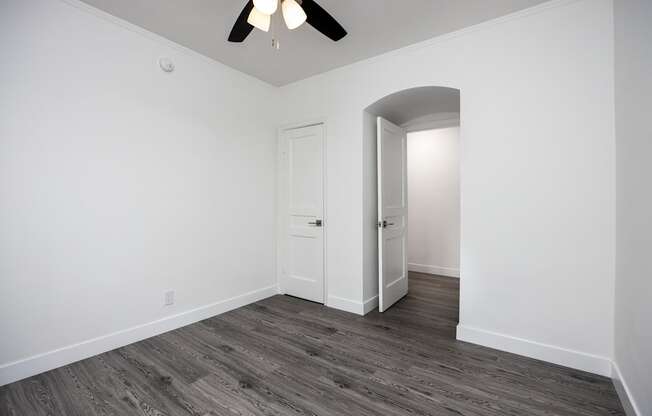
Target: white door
x=301 y=208
x=392 y=214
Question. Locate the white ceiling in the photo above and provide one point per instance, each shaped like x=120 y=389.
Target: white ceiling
x=374 y=26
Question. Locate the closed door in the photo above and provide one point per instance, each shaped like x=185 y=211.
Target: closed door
x=392 y=214
x=301 y=205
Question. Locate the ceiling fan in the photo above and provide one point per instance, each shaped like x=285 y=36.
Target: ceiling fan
x=258 y=13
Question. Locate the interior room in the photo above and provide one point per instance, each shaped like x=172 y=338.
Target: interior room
x=275 y=207
x=433 y=246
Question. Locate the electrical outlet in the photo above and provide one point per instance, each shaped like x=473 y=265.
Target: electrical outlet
x=169 y=298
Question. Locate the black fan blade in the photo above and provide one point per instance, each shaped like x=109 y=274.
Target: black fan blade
x=242 y=29
x=321 y=20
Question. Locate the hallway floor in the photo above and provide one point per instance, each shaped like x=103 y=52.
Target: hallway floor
x=285 y=356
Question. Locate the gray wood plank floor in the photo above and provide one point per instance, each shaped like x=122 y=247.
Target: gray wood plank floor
x=286 y=356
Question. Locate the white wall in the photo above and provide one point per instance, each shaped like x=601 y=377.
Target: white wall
x=119 y=182
x=434 y=201
x=537 y=182
x=633 y=354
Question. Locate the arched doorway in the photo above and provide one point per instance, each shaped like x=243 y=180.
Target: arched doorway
x=427 y=255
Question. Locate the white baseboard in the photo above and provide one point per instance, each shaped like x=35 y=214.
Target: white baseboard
x=624 y=393
x=40 y=363
x=346 y=305
x=353 y=306
x=370 y=304
x=426 y=268
x=545 y=352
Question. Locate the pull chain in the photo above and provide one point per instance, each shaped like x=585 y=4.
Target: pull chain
x=275 y=43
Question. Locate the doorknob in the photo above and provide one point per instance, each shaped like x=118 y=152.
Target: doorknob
x=316 y=223
x=384 y=224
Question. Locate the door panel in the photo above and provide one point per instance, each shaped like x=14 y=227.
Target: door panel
x=393 y=190
x=392 y=214
x=305 y=171
x=301 y=196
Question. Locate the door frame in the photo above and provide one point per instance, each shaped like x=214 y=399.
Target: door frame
x=279 y=209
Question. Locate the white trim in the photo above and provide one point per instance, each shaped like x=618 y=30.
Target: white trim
x=304 y=123
x=325 y=219
x=353 y=306
x=370 y=304
x=40 y=363
x=439 y=270
x=346 y=305
x=545 y=352
x=624 y=393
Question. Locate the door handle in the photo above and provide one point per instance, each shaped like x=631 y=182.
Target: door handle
x=316 y=223
x=384 y=224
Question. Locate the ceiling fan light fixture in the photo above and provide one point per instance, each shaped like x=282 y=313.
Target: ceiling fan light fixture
x=259 y=19
x=293 y=14
x=267 y=7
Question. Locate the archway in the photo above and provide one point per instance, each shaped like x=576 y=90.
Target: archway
x=430 y=116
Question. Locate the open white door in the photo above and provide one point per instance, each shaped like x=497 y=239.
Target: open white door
x=392 y=214
x=301 y=207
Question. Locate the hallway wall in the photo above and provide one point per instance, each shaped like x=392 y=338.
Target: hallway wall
x=434 y=201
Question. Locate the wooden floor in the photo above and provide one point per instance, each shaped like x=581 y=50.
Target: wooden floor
x=285 y=356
